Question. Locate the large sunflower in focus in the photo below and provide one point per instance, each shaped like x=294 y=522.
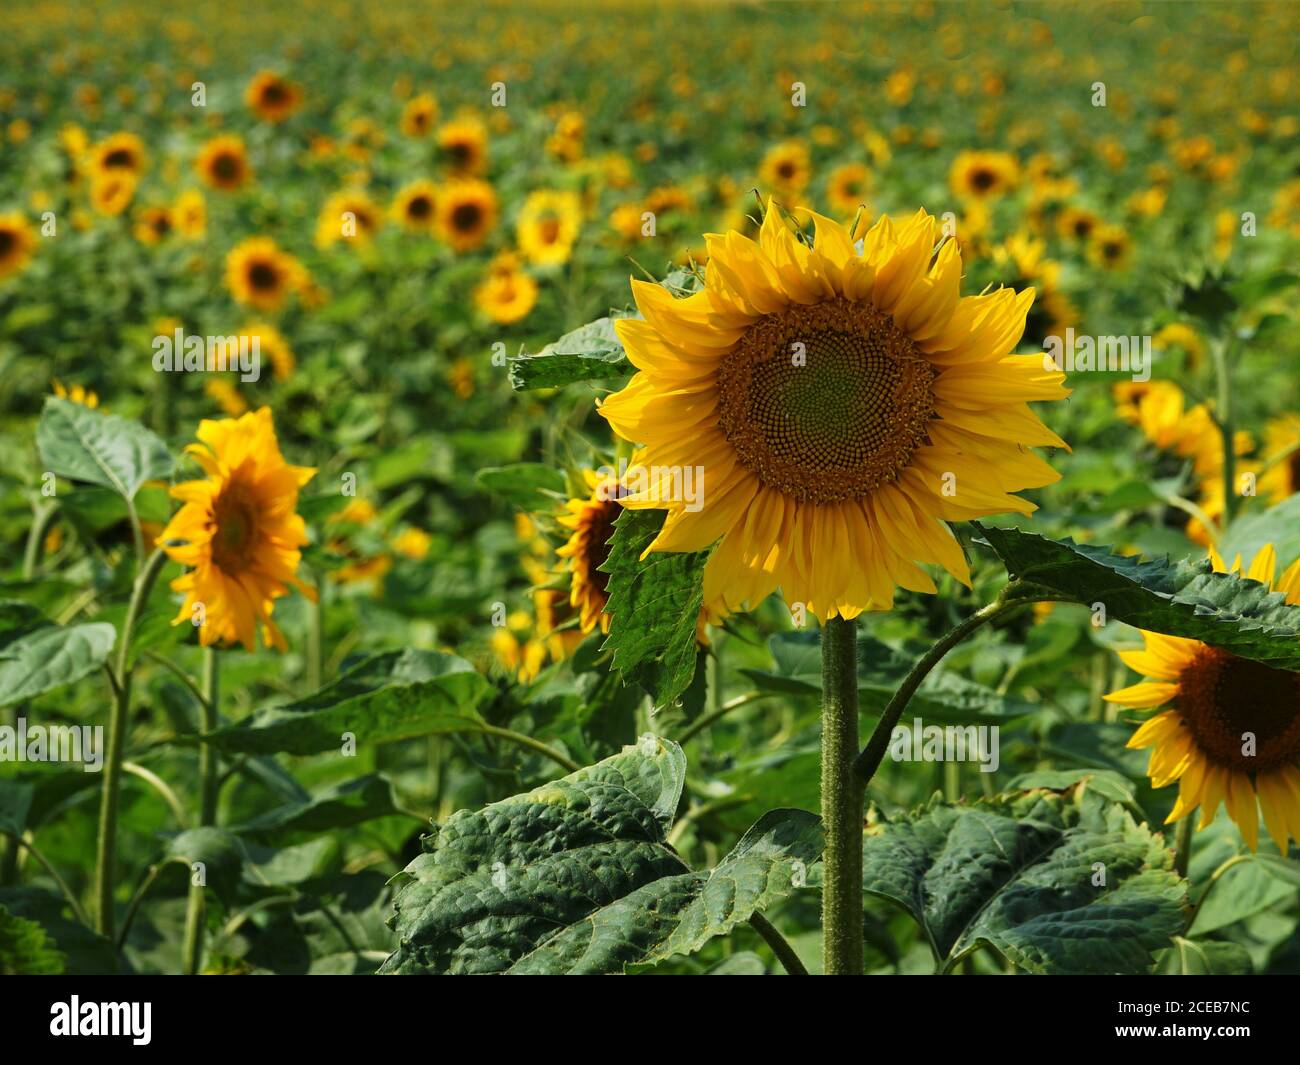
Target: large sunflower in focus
x=1232 y=733
x=842 y=405
x=240 y=531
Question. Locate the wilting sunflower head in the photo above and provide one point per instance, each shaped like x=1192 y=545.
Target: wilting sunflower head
x=983 y=175
x=467 y=211
x=506 y=294
x=121 y=153
x=17 y=242
x=415 y=207
x=833 y=405
x=223 y=164
x=419 y=115
x=1232 y=730
x=258 y=273
x=272 y=97
x=238 y=531
x=548 y=226
x=464 y=143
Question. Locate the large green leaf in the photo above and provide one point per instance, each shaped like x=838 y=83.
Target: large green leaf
x=25 y=949
x=592 y=352
x=1019 y=872
x=1182 y=598
x=654 y=606
x=1204 y=957
x=577 y=876
x=36 y=655
x=86 y=952
x=389 y=696
x=87 y=445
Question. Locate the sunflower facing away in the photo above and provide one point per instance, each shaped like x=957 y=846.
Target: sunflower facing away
x=241 y=531
x=841 y=405
x=223 y=163
x=1232 y=730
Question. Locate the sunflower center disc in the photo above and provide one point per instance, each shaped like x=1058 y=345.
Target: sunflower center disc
x=826 y=403
x=236 y=522
x=1222 y=698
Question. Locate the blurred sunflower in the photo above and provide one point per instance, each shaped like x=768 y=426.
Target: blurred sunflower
x=190 y=214
x=1232 y=733
x=350 y=216
x=786 y=169
x=983 y=175
x=591 y=521
x=271 y=345
x=239 y=531
x=548 y=226
x=121 y=153
x=17 y=242
x=1281 y=474
x=847 y=187
x=271 y=97
x=111 y=192
x=1025 y=265
x=1180 y=335
x=223 y=164
x=1076 y=223
x=419 y=115
x=258 y=273
x=1110 y=247
x=507 y=294
x=415 y=207
x=153 y=225
x=467 y=212
x=843 y=406
x=464 y=142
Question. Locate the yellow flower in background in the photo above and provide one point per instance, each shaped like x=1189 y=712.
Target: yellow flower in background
x=1225 y=232
x=847 y=187
x=1216 y=700
x=1110 y=247
x=190 y=214
x=786 y=169
x=120 y=154
x=77 y=394
x=842 y=406
x=258 y=273
x=226 y=395
x=223 y=164
x=464 y=143
x=1179 y=335
x=348 y=216
x=153 y=225
x=412 y=543
x=1280 y=477
x=271 y=97
x=467 y=213
x=111 y=192
x=507 y=294
x=983 y=175
x=240 y=531
x=1024 y=265
x=1076 y=223
x=566 y=142
x=548 y=225
x=461 y=377
x=419 y=115
x=271 y=345
x=17 y=243
x=415 y=207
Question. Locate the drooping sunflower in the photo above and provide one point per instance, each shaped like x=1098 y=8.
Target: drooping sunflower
x=507 y=294
x=467 y=211
x=786 y=168
x=840 y=404
x=350 y=216
x=1232 y=730
x=847 y=188
x=415 y=207
x=419 y=115
x=271 y=97
x=17 y=242
x=223 y=164
x=548 y=226
x=121 y=153
x=983 y=175
x=260 y=274
x=239 y=530
x=464 y=143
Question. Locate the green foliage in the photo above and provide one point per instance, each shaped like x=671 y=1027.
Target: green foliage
x=87 y=445
x=37 y=656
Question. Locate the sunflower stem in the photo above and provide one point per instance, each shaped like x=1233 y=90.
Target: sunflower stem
x=843 y=793
x=42 y=519
x=1183 y=845
x=1223 y=418
x=209 y=785
x=119 y=716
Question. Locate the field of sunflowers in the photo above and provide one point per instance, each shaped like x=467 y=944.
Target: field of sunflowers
x=675 y=488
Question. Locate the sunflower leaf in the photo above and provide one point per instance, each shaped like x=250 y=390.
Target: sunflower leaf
x=87 y=445
x=654 y=607
x=37 y=656
x=25 y=949
x=592 y=352
x=389 y=696
x=530 y=486
x=1178 y=598
x=1054 y=882
x=577 y=876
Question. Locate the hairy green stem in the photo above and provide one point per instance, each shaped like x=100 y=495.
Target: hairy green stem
x=209 y=789
x=42 y=519
x=1183 y=845
x=843 y=792
x=780 y=947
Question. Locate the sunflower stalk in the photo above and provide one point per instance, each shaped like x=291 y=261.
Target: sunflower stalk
x=209 y=786
x=1223 y=418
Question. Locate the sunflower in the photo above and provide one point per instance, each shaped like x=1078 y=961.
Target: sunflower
x=260 y=274
x=415 y=207
x=786 y=168
x=1052 y=313
x=507 y=294
x=121 y=153
x=419 y=115
x=271 y=97
x=1181 y=335
x=467 y=211
x=272 y=345
x=190 y=214
x=238 y=530
x=154 y=225
x=222 y=163
x=983 y=175
x=548 y=226
x=841 y=405
x=17 y=242
x=591 y=519
x=112 y=191
x=1109 y=247
x=1076 y=223
x=464 y=142
x=1281 y=476
x=847 y=187
x=349 y=216
x=1232 y=730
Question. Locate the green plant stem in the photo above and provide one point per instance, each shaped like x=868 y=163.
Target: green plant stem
x=134 y=905
x=42 y=519
x=209 y=789
x=1183 y=845
x=701 y=723
x=44 y=863
x=843 y=792
x=780 y=947
x=161 y=787
x=532 y=744
x=118 y=720
x=1223 y=418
